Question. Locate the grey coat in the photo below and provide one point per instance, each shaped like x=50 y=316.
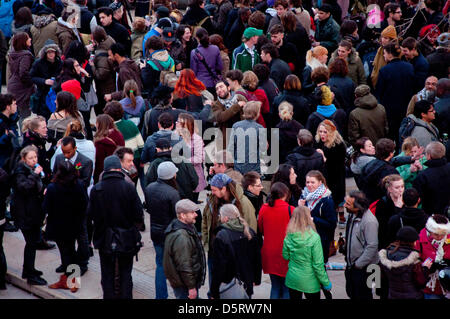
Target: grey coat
x=424 y=133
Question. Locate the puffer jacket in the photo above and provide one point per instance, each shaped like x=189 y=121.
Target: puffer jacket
x=103 y=69
x=43 y=29
x=355 y=67
x=184 y=260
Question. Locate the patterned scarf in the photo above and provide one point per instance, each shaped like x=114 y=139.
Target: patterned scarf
x=439 y=246
x=230 y=101
x=312 y=198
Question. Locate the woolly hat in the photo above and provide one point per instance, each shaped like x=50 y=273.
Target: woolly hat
x=431 y=28
x=115 y=6
x=111 y=162
x=407 y=234
x=166 y=170
x=220 y=180
x=444 y=40
x=72 y=86
x=440 y=229
x=389 y=32
x=362 y=90
x=327 y=97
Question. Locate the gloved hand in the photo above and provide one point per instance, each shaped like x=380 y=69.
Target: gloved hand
x=438 y=266
x=327 y=287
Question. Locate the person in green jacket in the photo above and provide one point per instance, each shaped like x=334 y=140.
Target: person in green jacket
x=302 y=248
x=245 y=56
x=409 y=172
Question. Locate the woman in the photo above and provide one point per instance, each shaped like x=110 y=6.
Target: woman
x=66 y=112
x=316 y=57
x=364 y=153
x=287 y=176
x=19 y=83
x=429 y=35
x=72 y=70
x=435 y=251
x=106 y=140
x=186 y=128
x=197 y=16
x=330 y=142
x=188 y=92
x=206 y=62
x=133 y=104
x=268 y=85
x=272 y=223
x=250 y=84
x=292 y=94
x=388 y=206
x=344 y=87
x=160 y=198
x=288 y=130
x=217 y=40
x=237 y=253
x=301 y=247
x=26 y=209
x=188 y=43
x=349 y=32
x=317 y=197
x=65 y=204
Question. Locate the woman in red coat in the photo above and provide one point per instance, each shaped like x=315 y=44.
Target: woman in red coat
x=106 y=140
x=272 y=224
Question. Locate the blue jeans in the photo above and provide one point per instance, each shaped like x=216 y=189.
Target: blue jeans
x=431 y=296
x=160 y=277
x=182 y=293
x=278 y=289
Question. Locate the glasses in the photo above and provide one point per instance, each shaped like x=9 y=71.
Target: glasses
x=432 y=111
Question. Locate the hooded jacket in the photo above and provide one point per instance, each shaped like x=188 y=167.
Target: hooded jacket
x=305 y=159
x=66 y=33
x=408 y=216
x=424 y=132
x=151 y=73
x=43 y=29
x=355 y=67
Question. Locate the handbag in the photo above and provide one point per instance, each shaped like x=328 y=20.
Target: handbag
x=91 y=96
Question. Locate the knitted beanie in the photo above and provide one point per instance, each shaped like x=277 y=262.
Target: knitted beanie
x=389 y=32
x=327 y=97
x=72 y=86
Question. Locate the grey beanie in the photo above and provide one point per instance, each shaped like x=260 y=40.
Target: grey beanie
x=111 y=162
x=167 y=170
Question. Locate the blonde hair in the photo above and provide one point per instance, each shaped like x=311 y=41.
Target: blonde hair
x=232 y=212
x=251 y=110
x=28 y=149
x=74 y=127
x=249 y=80
x=316 y=52
x=31 y=123
x=286 y=111
x=300 y=221
x=387 y=181
x=408 y=145
x=333 y=135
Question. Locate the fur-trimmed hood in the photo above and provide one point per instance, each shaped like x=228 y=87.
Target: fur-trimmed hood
x=45 y=48
x=43 y=20
x=412 y=259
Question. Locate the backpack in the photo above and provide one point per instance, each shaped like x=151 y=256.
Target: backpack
x=373 y=206
x=406 y=128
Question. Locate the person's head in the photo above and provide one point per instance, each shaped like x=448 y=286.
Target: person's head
x=229 y=213
x=278 y=190
x=186 y=123
x=23 y=17
x=319 y=52
x=138 y=25
x=223 y=89
x=223 y=160
x=320 y=74
x=435 y=150
x=77 y=51
x=409 y=48
x=344 y=49
x=431 y=32
x=167 y=171
x=394 y=185
x=324 y=12
x=219 y=186
x=356 y=202
x=349 y=28
x=249 y=81
x=425 y=111
x=285 y=111
x=131 y=90
x=411 y=197
x=442 y=87
x=188 y=84
x=281 y=6
x=66 y=174
x=117 y=8
x=195 y=3
x=432 y=5
x=251 y=182
x=117 y=52
x=75 y=129
x=49 y=52
x=244 y=14
x=162 y=145
x=251 y=36
x=28 y=155
x=438 y=227
x=292 y=83
x=305 y=138
x=186 y=211
x=114 y=109
x=328 y=134
x=21 y=41
x=269 y=52
x=184 y=33
x=99 y=34
x=68 y=147
x=339 y=67
x=300 y=221
x=165 y=121
x=365 y=146
x=126 y=156
x=289 y=21
x=66 y=101
x=104 y=125
x=406 y=237
x=234 y=78
x=217 y=40
x=38 y=125
x=251 y=110
x=384 y=149
x=8 y=104
x=393 y=11
x=257 y=20
x=431 y=84
x=391 y=51
x=203 y=37
x=285 y=174
x=388 y=35
x=277 y=34
x=411 y=146
x=112 y=163
x=262 y=72
x=314 y=179
x=105 y=14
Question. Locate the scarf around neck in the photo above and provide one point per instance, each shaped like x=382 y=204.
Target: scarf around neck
x=312 y=198
x=230 y=101
x=234 y=224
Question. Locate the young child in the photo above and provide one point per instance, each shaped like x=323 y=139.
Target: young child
x=409 y=172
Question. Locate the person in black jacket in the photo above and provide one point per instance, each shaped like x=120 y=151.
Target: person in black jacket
x=4 y=193
x=253 y=190
x=114 y=204
x=237 y=253
x=114 y=29
x=288 y=129
x=196 y=15
x=160 y=199
x=3 y=51
x=279 y=69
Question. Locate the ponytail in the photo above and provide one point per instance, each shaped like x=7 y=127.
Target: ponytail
x=133 y=98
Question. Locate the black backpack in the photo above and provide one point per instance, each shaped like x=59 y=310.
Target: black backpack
x=406 y=128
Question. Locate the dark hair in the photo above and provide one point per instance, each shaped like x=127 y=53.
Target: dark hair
x=76 y=50
x=433 y=4
x=165 y=120
x=179 y=32
x=119 y=49
x=410 y=43
x=195 y=3
x=271 y=49
x=422 y=107
x=235 y=75
x=261 y=71
x=262 y=40
x=249 y=179
x=121 y=151
x=410 y=197
x=289 y=21
x=222 y=81
x=276 y=29
x=278 y=190
x=99 y=34
x=393 y=48
x=361 y=201
x=317 y=175
x=66 y=174
x=106 y=10
x=114 y=109
x=66 y=101
x=203 y=37
x=384 y=148
x=69 y=140
x=440 y=219
x=257 y=20
x=154 y=43
x=348 y=27
x=305 y=138
x=359 y=144
x=5 y=100
x=23 y=17
x=320 y=74
x=19 y=41
x=390 y=8
x=338 y=67
x=282 y=175
x=346 y=44
x=68 y=71
x=67 y=13
x=292 y=82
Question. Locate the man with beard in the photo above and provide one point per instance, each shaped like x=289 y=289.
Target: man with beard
x=288 y=52
x=427 y=93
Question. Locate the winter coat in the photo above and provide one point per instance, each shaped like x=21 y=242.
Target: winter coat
x=327 y=33
x=304 y=18
x=372 y=174
x=305 y=159
x=325 y=218
x=434 y=194
x=43 y=29
x=8 y=141
x=232 y=251
x=66 y=34
x=420 y=65
x=344 y=89
x=407 y=216
x=104 y=148
x=270 y=87
x=149 y=151
x=403 y=270
x=357 y=166
x=20 y=84
x=355 y=67
x=212 y=58
x=160 y=200
x=194 y=15
x=385 y=209
x=65 y=206
x=368 y=119
x=272 y=224
x=424 y=132
x=306 y=271
x=288 y=131
x=442 y=108
x=329 y=112
x=128 y=70
x=184 y=261
x=288 y=53
x=132 y=136
x=44 y=155
x=120 y=34
x=257 y=201
x=242 y=59
x=220 y=16
x=137 y=51
x=225 y=118
x=279 y=70
x=151 y=73
x=300 y=105
x=103 y=69
x=26 y=200
x=3 y=49
x=300 y=38
x=439 y=63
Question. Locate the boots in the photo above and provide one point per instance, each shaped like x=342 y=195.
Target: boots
x=62 y=284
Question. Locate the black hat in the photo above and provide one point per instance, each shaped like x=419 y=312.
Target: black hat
x=162 y=143
x=325 y=8
x=161 y=91
x=407 y=234
x=164 y=23
x=168 y=34
x=162 y=11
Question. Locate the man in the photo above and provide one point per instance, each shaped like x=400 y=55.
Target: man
x=279 y=69
x=346 y=52
x=442 y=106
x=184 y=259
x=392 y=15
x=281 y=6
x=223 y=163
x=219 y=19
x=114 y=29
x=327 y=30
x=427 y=93
x=433 y=183
x=157 y=31
x=359 y=254
x=126 y=157
x=431 y=14
x=88 y=22
x=304 y=157
x=114 y=204
x=424 y=130
x=8 y=130
x=66 y=29
x=253 y=190
x=413 y=56
x=245 y=56
x=288 y=51
x=439 y=61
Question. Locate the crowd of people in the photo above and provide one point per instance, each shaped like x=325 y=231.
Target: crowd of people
x=218 y=97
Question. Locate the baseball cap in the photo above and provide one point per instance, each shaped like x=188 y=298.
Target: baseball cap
x=251 y=32
x=168 y=34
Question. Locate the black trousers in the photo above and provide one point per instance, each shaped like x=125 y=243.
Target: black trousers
x=82 y=253
x=67 y=251
x=87 y=124
x=298 y=295
x=116 y=281
x=356 y=284
x=3 y=265
x=32 y=238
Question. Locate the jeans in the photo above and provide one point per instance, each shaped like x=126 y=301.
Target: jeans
x=356 y=286
x=116 y=280
x=298 y=295
x=432 y=296
x=160 y=277
x=32 y=237
x=182 y=293
x=278 y=289
x=67 y=251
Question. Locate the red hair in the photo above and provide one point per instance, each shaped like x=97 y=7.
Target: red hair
x=188 y=84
